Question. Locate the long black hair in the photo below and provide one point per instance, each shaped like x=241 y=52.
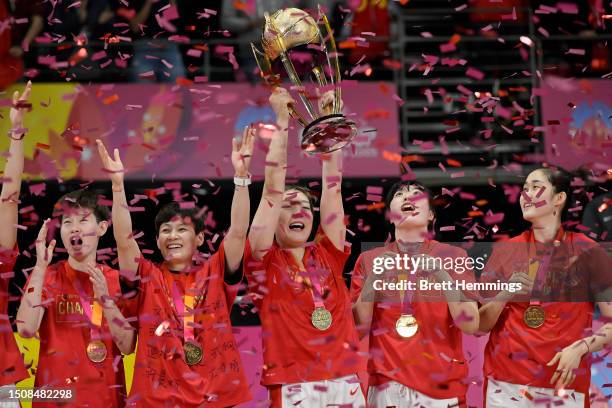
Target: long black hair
x=561 y=181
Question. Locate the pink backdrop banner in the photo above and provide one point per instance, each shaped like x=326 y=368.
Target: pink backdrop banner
x=172 y=132
x=578 y=121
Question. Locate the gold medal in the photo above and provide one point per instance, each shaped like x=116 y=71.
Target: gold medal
x=321 y=318
x=406 y=326
x=534 y=316
x=96 y=351
x=193 y=353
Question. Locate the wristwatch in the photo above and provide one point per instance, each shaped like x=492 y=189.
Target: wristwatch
x=242 y=181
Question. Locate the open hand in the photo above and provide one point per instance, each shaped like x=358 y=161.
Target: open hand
x=20 y=105
x=44 y=253
x=97 y=279
x=326 y=103
x=113 y=166
x=568 y=361
x=242 y=151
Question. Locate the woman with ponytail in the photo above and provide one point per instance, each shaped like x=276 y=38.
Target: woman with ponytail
x=539 y=352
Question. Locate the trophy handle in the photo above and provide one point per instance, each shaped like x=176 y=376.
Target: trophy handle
x=333 y=62
x=320 y=76
x=297 y=116
x=265 y=66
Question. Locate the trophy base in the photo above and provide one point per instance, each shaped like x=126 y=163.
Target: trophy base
x=327 y=134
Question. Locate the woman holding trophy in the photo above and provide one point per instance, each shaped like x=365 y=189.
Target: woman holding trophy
x=309 y=338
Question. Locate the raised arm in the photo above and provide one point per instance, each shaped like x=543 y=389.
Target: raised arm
x=265 y=221
x=127 y=247
x=11 y=187
x=30 y=312
x=242 y=151
x=332 y=208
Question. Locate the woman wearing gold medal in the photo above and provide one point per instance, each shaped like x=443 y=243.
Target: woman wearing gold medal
x=72 y=305
x=416 y=356
x=539 y=352
x=186 y=354
x=309 y=338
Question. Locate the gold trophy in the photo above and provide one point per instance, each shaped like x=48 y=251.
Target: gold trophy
x=293 y=28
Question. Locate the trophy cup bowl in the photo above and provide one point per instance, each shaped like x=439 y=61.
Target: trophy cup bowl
x=290 y=29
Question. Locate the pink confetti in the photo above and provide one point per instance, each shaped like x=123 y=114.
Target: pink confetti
x=429 y=96
x=503 y=112
x=568 y=8
x=443 y=145
x=116 y=363
x=179 y=39
x=374 y=190
x=494 y=218
x=464 y=90
x=540 y=204
x=475 y=73
x=511 y=16
x=37 y=189
x=466 y=196
x=448 y=47
x=98 y=55
x=543 y=31
x=192 y=52
x=331 y=218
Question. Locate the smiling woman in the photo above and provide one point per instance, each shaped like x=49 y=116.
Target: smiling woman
x=179 y=234
x=556 y=348
x=183 y=303
x=298 y=286
x=404 y=320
